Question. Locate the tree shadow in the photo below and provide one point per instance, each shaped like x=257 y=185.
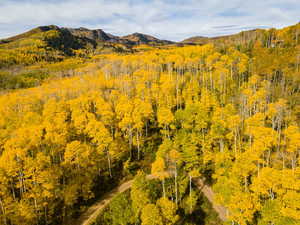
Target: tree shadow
x=198 y=215
x=203 y=214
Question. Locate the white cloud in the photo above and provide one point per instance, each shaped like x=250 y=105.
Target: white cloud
x=169 y=19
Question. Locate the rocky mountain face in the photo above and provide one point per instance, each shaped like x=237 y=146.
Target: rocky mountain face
x=139 y=38
x=96 y=35
x=132 y=39
x=69 y=39
x=92 y=36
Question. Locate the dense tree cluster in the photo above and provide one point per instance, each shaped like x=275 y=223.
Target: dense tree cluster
x=145 y=204
x=228 y=115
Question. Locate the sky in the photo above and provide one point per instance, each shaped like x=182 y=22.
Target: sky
x=166 y=19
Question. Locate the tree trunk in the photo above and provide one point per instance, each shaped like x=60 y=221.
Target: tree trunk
x=3 y=212
x=190 y=194
x=138 y=143
x=176 y=189
x=146 y=128
x=283 y=160
x=46 y=215
x=268 y=158
x=221 y=143
x=13 y=190
x=130 y=142
x=36 y=208
x=235 y=144
x=109 y=162
x=294 y=161
x=164 y=191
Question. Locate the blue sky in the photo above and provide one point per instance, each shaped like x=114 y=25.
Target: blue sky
x=167 y=19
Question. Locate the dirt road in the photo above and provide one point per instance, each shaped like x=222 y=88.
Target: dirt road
x=209 y=194
x=90 y=215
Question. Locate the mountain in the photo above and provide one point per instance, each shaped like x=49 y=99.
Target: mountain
x=242 y=37
x=99 y=35
x=88 y=36
x=45 y=43
x=138 y=38
x=96 y=35
x=52 y=43
x=194 y=40
x=54 y=37
x=30 y=33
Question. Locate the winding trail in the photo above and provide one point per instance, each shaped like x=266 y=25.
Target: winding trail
x=91 y=214
x=209 y=194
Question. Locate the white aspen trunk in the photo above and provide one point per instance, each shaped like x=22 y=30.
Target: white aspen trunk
x=211 y=80
x=176 y=189
x=283 y=160
x=221 y=143
x=13 y=190
x=138 y=143
x=235 y=144
x=246 y=183
x=294 y=161
x=164 y=191
x=130 y=142
x=36 y=208
x=3 y=212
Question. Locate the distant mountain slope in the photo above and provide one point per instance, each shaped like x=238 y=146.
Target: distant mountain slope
x=53 y=43
x=85 y=36
x=96 y=35
x=138 y=38
x=267 y=37
x=30 y=33
x=241 y=37
x=47 y=36
x=195 y=40
x=131 y=39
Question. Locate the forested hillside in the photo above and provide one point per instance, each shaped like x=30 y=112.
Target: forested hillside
x=28 y=59
x=228 y=112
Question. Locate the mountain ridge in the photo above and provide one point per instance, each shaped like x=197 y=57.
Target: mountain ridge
x=93 y=35
x=48 y=43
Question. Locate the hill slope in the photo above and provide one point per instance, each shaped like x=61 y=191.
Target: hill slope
x=52 y=43
x=138 y=38
x=90 y=36
x=267 y=37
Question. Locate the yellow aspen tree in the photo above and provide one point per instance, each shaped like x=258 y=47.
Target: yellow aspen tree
x=159 y=170
x=151 y=215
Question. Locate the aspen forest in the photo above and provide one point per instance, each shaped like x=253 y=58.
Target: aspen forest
x=79 y=118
